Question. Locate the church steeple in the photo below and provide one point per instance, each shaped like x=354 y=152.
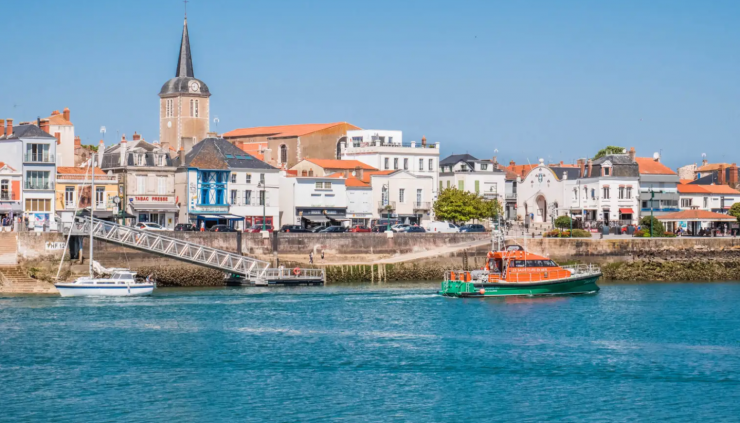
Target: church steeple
x=185 y=61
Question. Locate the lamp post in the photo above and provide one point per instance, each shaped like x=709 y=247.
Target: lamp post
x=263 y=199
x=388 y=201
x=652 y=196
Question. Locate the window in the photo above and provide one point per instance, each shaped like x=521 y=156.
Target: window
x=401 y=195
x=464 y=168
x=38 y=205
x=494 y=188
x=483 y=166
x=161 y=185
x=621 y=193
x=140 y=184
x=262 y=197
x=448 y=184
x=395 y=163
x=477 y=187
x=629 y=192
x=405 y=164
x=575 y=194
x=441 y=187
x=319 y=185
x=249 y=178
x=5 y=190
x=431 y=164
x=419 y=197
x=421 y=164
x=36 y=179
x=140 y=159
x=607 y=171
x=283 y=153
x=161 y=160
x=169 y=108
x=262 y=178
x=247 y=197
x=593 y=193
x=233 y=197
x=38 y=153
x=194 y=108
x=356 y=141
x=69 y=197
x=605 y=193
x=706 y=202
x=99 y=197
x=461 y=185
x=233 y=178
x=385 y=161
x=686 y=202
x=327 y=185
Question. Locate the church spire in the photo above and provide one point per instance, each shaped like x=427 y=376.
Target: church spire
x=185 y=61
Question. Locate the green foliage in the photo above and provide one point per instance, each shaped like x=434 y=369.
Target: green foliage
x=459 y=206
x=611 y=149
x=91 y=147
x=735 y=211
x=658 y=229
x=563 y=222
x=577 y=233
x=639 y=233
x=580 y=233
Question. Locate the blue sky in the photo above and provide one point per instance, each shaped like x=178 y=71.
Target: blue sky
x=557 y=80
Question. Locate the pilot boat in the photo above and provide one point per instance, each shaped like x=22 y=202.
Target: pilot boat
x=514 y=271
x=121 y=283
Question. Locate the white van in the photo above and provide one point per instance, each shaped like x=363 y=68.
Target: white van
x=442 y=227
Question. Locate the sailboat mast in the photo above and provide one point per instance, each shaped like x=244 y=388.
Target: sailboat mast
x=92 y=209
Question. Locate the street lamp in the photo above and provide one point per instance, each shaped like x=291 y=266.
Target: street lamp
x=263 y=199
x=652 y=196
x=387 y=188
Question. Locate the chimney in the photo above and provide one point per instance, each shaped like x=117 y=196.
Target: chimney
x=181 y=156
x=423 y=141
x=58 y=136
x=101 y=151
x=359 y=172
x=561 y=163
x=590 y=167
x=732 y=177
x=267 y=155
x=123 y=148
x=721 y=175
x=44 y=125
x=2 y=127
x=495 y=162
x=55 y=112
x=632 y=154
x=9 y=127
x=346 y=173
x=78 y=142
x=136 y=137
x=65 y=113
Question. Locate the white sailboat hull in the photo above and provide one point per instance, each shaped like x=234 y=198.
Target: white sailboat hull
x=90 y=290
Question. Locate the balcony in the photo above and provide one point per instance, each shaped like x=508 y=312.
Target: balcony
x=38 y=158
x=386 y=205
x=488 y=195
x=422 y=205
x=511 y=196
x=6 y=196
x=39 y=185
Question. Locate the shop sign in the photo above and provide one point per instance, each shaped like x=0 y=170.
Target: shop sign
x=152 y=199
x=210 y=209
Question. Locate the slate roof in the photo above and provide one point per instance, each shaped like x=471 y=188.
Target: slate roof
x=573 y=172
x=184 y=74
x=218 y=153
x=456 y=158
x=112 y=155
x=618 y=159
x=27 y=131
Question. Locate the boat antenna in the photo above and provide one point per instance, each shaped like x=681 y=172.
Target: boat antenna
x=92 y=209
x=77 y=208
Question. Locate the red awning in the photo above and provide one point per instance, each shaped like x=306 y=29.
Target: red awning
x=626 y=211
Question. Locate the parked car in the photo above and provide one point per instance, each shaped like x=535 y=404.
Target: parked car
x=258 y=228
x=415 y=229
x=334 y=229
x=400 y=227
x=221 y=228
x=379 y=229
x=472 y=228
x=316 y=229
x=149 y=226
x=294 y=228
x=359 y=228
x=185 y=227
x=442 y=227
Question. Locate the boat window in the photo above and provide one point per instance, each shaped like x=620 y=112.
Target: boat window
x=534 y=263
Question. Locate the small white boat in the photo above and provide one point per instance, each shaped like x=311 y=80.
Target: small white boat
x=121 y=283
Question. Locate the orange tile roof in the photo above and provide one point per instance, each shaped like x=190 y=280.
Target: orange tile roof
x=368 y=174
x=521 y=170
x=712 y=167
x=2 y=165
x=648 y=166
x=706 y=189
x=59 y=119
x=356 y=183
x=340 y=164
x=696 y=215
x=335 y=175
x=685 y=181
x=291 y=173
x=78 y=170
x=281 y=131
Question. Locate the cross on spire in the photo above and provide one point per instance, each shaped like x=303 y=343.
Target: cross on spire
x=186 y=8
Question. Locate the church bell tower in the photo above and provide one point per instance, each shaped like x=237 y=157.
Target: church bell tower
x=183 y=104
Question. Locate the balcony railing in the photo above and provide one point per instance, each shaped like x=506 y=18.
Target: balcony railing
x=6 y=196
x=422 y=205
x=511 y=196
x=386 y=205
x=38 y=158
x=39 y=185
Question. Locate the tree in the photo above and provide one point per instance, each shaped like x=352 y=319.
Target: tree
x=489 y=209
x=658 y=229
x=455 y=206
x=611 y=149
x=735 y=211
x=563 y=222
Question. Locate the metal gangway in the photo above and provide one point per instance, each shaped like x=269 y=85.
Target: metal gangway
x=154 y=242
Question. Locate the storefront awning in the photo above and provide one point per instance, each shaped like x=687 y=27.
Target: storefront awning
x=626 y=211
x=316 y=219
x=155 y=207
x=8 y=207
x=209 y=217
x=696 y=216
x=232 y=217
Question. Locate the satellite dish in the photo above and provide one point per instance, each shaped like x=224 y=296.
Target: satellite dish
x=495 y=150
x=656 y=155
x=103 y=130
x=703 y=155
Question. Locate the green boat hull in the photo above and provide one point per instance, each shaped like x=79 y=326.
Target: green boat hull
x=578 y=285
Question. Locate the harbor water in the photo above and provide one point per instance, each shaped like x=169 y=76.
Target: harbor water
x=633 y=352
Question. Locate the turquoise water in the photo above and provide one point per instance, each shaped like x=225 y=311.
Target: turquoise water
x=648 y=352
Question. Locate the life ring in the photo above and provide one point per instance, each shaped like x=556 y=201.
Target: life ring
x=296 y=271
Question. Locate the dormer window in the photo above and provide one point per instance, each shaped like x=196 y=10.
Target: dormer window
x=607 y=171
x=483 y=166
x=140 y=160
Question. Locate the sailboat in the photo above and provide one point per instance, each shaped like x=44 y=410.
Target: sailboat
x=119 y=283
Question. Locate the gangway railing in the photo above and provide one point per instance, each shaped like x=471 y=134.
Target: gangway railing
x=157 y=243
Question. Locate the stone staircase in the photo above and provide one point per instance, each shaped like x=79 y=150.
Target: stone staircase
x=8 y=249
x=14 y=280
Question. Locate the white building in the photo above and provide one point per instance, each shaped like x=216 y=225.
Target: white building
x=714 y=198
x=402 y=195
x=467 y=173
x=540 y=195
x=385 y=150
x=312 y=200
x=359 y=201
x=64 y=131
